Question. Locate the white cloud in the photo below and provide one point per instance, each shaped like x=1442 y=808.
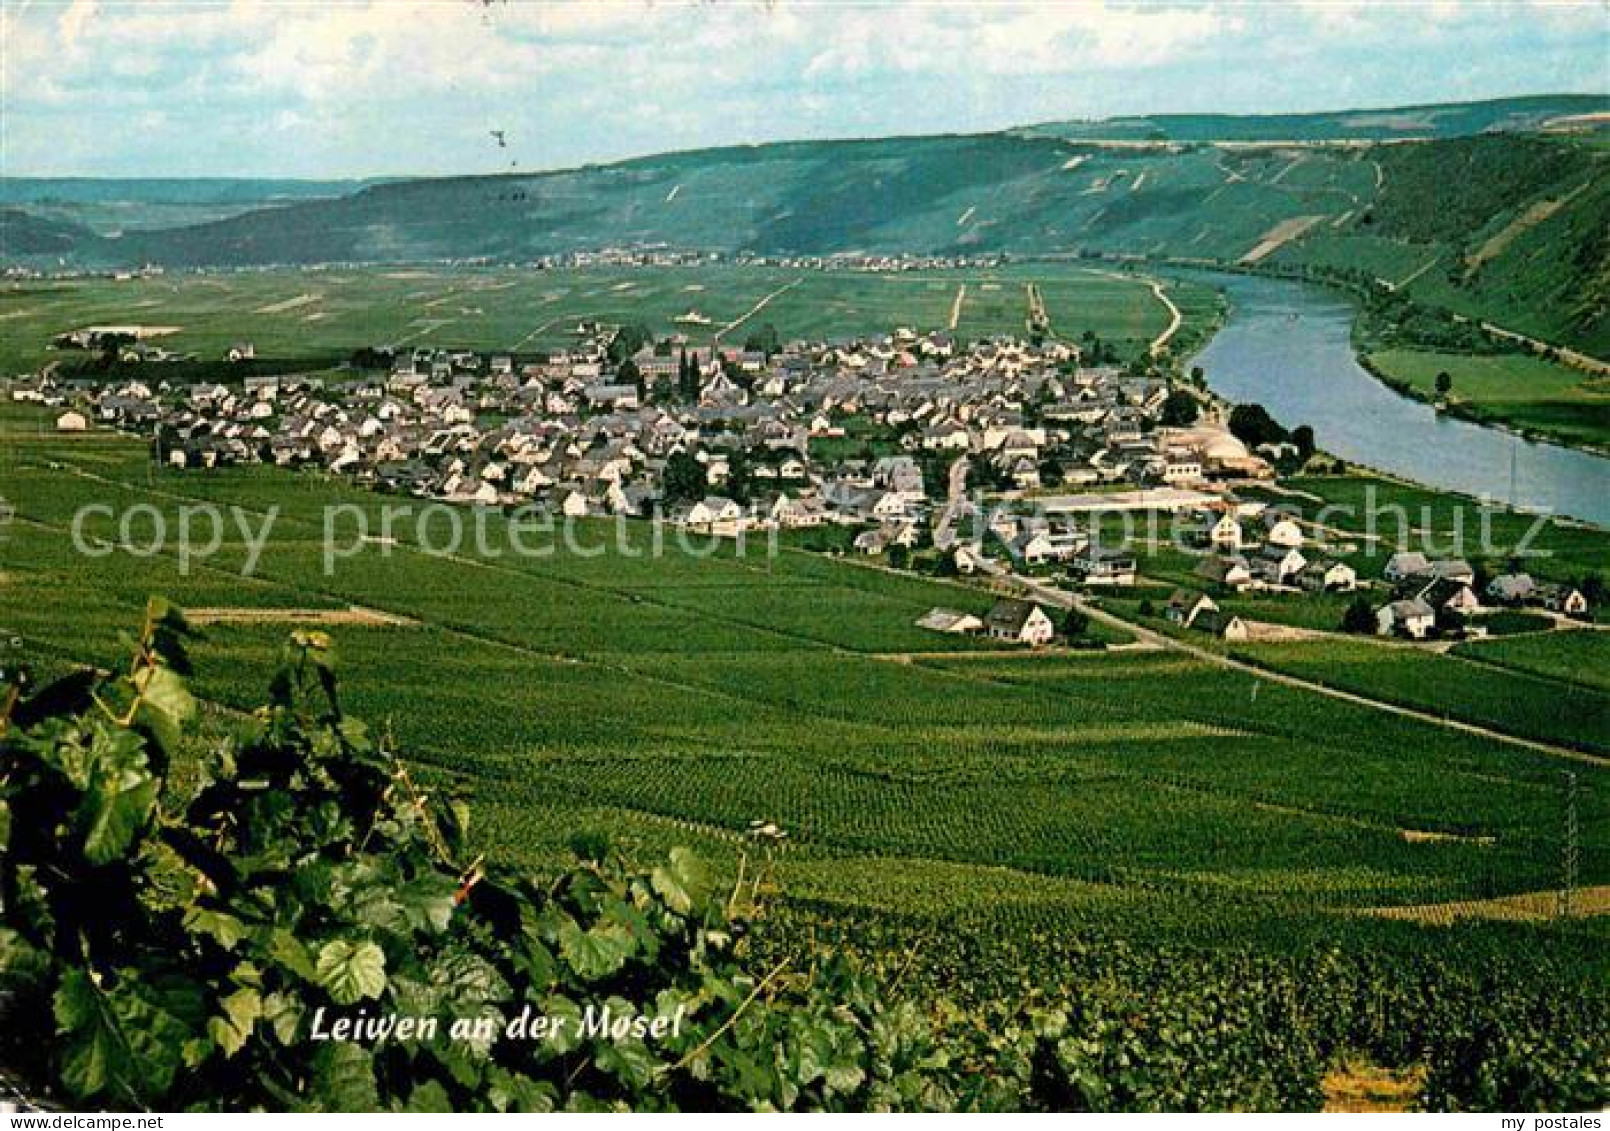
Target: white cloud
x=405 y=85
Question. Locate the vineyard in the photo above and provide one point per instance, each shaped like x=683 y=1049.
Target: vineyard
x=961 y=798
x=185 y=913
x=678 y=698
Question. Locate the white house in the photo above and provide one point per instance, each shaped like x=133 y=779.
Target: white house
x=1281 y=529
x=1412 y=618
x=1330 y=577
x=1222 y=530
x=1185 y=606
x=713 y=510
x=71 y=422
x=1231 y=572
x=1021 y=621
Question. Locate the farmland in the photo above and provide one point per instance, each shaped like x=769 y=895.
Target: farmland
x=675 y=699
x=314 y=320
x=1527 y=393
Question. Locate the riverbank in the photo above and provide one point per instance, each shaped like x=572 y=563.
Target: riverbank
x=1486 y=413
x=1290 y=348
x=1557 y=411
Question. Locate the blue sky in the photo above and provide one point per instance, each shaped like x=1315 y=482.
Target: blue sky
x=322 y=88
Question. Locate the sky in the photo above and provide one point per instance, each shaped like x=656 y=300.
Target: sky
x=332 y=89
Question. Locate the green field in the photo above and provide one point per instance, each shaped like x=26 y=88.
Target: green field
x=675 y=700
x=314 y=320
x=1515 y=701
x=1577 y=659
x=1533 y=395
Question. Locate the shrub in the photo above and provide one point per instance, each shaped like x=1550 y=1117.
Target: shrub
x=186 y=932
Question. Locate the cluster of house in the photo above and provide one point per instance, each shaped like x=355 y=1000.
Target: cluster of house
x=882 y=264
x=584 y=434
x=1439 y=595
x=1426 y=597
x=135 y=344
x=1254 y=546
x=1250 y=546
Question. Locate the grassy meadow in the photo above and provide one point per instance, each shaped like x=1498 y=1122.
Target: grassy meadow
x=1528 y=393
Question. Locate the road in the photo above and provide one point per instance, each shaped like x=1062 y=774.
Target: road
x=1175 y=318
x=1570 y=357
x=955 y=505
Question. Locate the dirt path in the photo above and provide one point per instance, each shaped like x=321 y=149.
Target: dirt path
x=1571 y=357
x=1176 y=319
x=956 y=306
x=756 y=309
x=351 y=615
x=1417 y=272
x=548 y=325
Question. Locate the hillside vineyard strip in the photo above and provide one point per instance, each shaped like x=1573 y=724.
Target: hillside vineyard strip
x=674 y=700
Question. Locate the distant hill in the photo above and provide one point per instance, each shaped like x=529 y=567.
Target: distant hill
x=1509 y=226
x=112 y=205
x=1459 y=119
x=25 y=237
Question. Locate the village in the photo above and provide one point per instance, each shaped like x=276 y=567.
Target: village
x=1003 y=458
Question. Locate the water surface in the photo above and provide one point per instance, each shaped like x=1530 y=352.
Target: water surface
x=1287 y=347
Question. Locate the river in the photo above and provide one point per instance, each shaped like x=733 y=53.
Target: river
x=1287 y=346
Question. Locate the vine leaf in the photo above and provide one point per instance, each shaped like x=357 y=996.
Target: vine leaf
x=233 y=1027
x=683 y=883
x=351 y=971
x=118 y=795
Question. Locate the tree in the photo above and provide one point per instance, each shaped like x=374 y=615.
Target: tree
x=687 y=377
x=1593 y=589
x=629 y=374
x=1359 y=617
x=627 y=341
x=178 y=937
x=1075 y=624
x=1253 y=426
x=1303 y=437
x=685 y=479
x=1444 y=383
x=368 y=357
x=899 y=556
x=764 y=340
x=1180 y=409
